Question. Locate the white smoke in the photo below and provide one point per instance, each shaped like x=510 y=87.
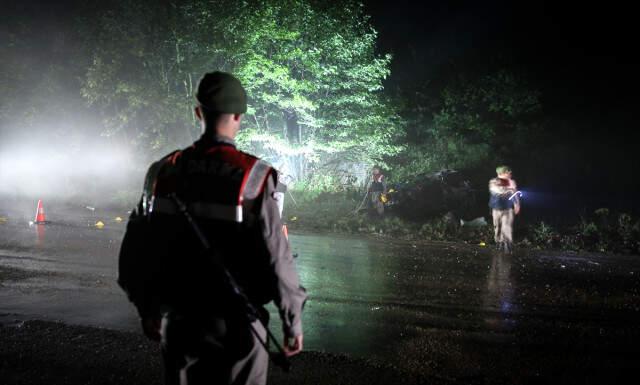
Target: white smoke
x=67 y=169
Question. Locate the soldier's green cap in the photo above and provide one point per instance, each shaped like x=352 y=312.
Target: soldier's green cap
x=503 y=169
x=222 y=92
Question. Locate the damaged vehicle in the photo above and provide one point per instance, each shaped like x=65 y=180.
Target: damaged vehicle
x=436 y=194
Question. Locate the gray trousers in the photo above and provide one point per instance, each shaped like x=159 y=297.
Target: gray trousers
x=503 y=225
x=212 y=351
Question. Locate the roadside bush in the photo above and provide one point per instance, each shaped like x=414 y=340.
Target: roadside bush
x=336 y=212
x=543 y=235
x=602 y=231
x=434 y=230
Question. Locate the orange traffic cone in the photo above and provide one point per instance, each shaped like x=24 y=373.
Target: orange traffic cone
x=40 y=218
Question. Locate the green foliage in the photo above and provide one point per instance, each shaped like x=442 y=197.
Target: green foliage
x=417 y=160
x=310 y=69
x=316 y=83
x=544 y=235
x=476 y=120
x=335 y=212
x=587 y=235
x=479 y=116
x=140 y=75
x=434 y=230
x=601 y=232
x=627 y=234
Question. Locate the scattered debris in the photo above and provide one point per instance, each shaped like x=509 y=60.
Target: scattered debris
x=478 y=222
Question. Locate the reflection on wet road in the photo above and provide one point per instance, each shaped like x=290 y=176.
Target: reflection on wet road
x=498 y=294
x=367 y=297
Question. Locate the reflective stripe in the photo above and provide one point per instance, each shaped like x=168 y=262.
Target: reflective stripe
x=199 y=209
x=254 y=183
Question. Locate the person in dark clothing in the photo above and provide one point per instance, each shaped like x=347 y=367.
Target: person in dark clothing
x=175 y=285
x=377 y=189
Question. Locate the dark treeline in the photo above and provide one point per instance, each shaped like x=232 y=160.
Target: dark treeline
x=577 y=58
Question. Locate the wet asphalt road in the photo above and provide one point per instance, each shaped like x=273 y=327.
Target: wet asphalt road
x=445 y=309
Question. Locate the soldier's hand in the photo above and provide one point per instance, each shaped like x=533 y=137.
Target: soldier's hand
x=151 y=328
x=292 y=346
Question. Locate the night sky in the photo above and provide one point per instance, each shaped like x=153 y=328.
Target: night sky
x=581 y=55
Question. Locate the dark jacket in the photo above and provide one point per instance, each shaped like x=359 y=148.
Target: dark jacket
x=162 y=266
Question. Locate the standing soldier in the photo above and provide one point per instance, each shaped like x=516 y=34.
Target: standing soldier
x=503 y=209
x=176 y=287
x=377 y=189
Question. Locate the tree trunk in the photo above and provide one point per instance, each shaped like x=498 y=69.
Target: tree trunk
x=294 y=133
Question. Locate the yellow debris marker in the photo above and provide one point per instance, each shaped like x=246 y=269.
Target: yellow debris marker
x=293 y=219
x=99 y=224
x=118 y=219
x=482 y=244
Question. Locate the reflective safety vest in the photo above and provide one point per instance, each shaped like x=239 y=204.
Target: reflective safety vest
x=162 y=266
x=213 y=178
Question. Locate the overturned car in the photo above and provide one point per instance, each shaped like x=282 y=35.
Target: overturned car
x=435 y=194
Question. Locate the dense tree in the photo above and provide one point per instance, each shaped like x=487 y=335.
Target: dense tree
x=316 y=83
x=314 y=79
x=475 y=120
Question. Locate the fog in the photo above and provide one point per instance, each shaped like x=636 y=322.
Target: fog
x=74 y=169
